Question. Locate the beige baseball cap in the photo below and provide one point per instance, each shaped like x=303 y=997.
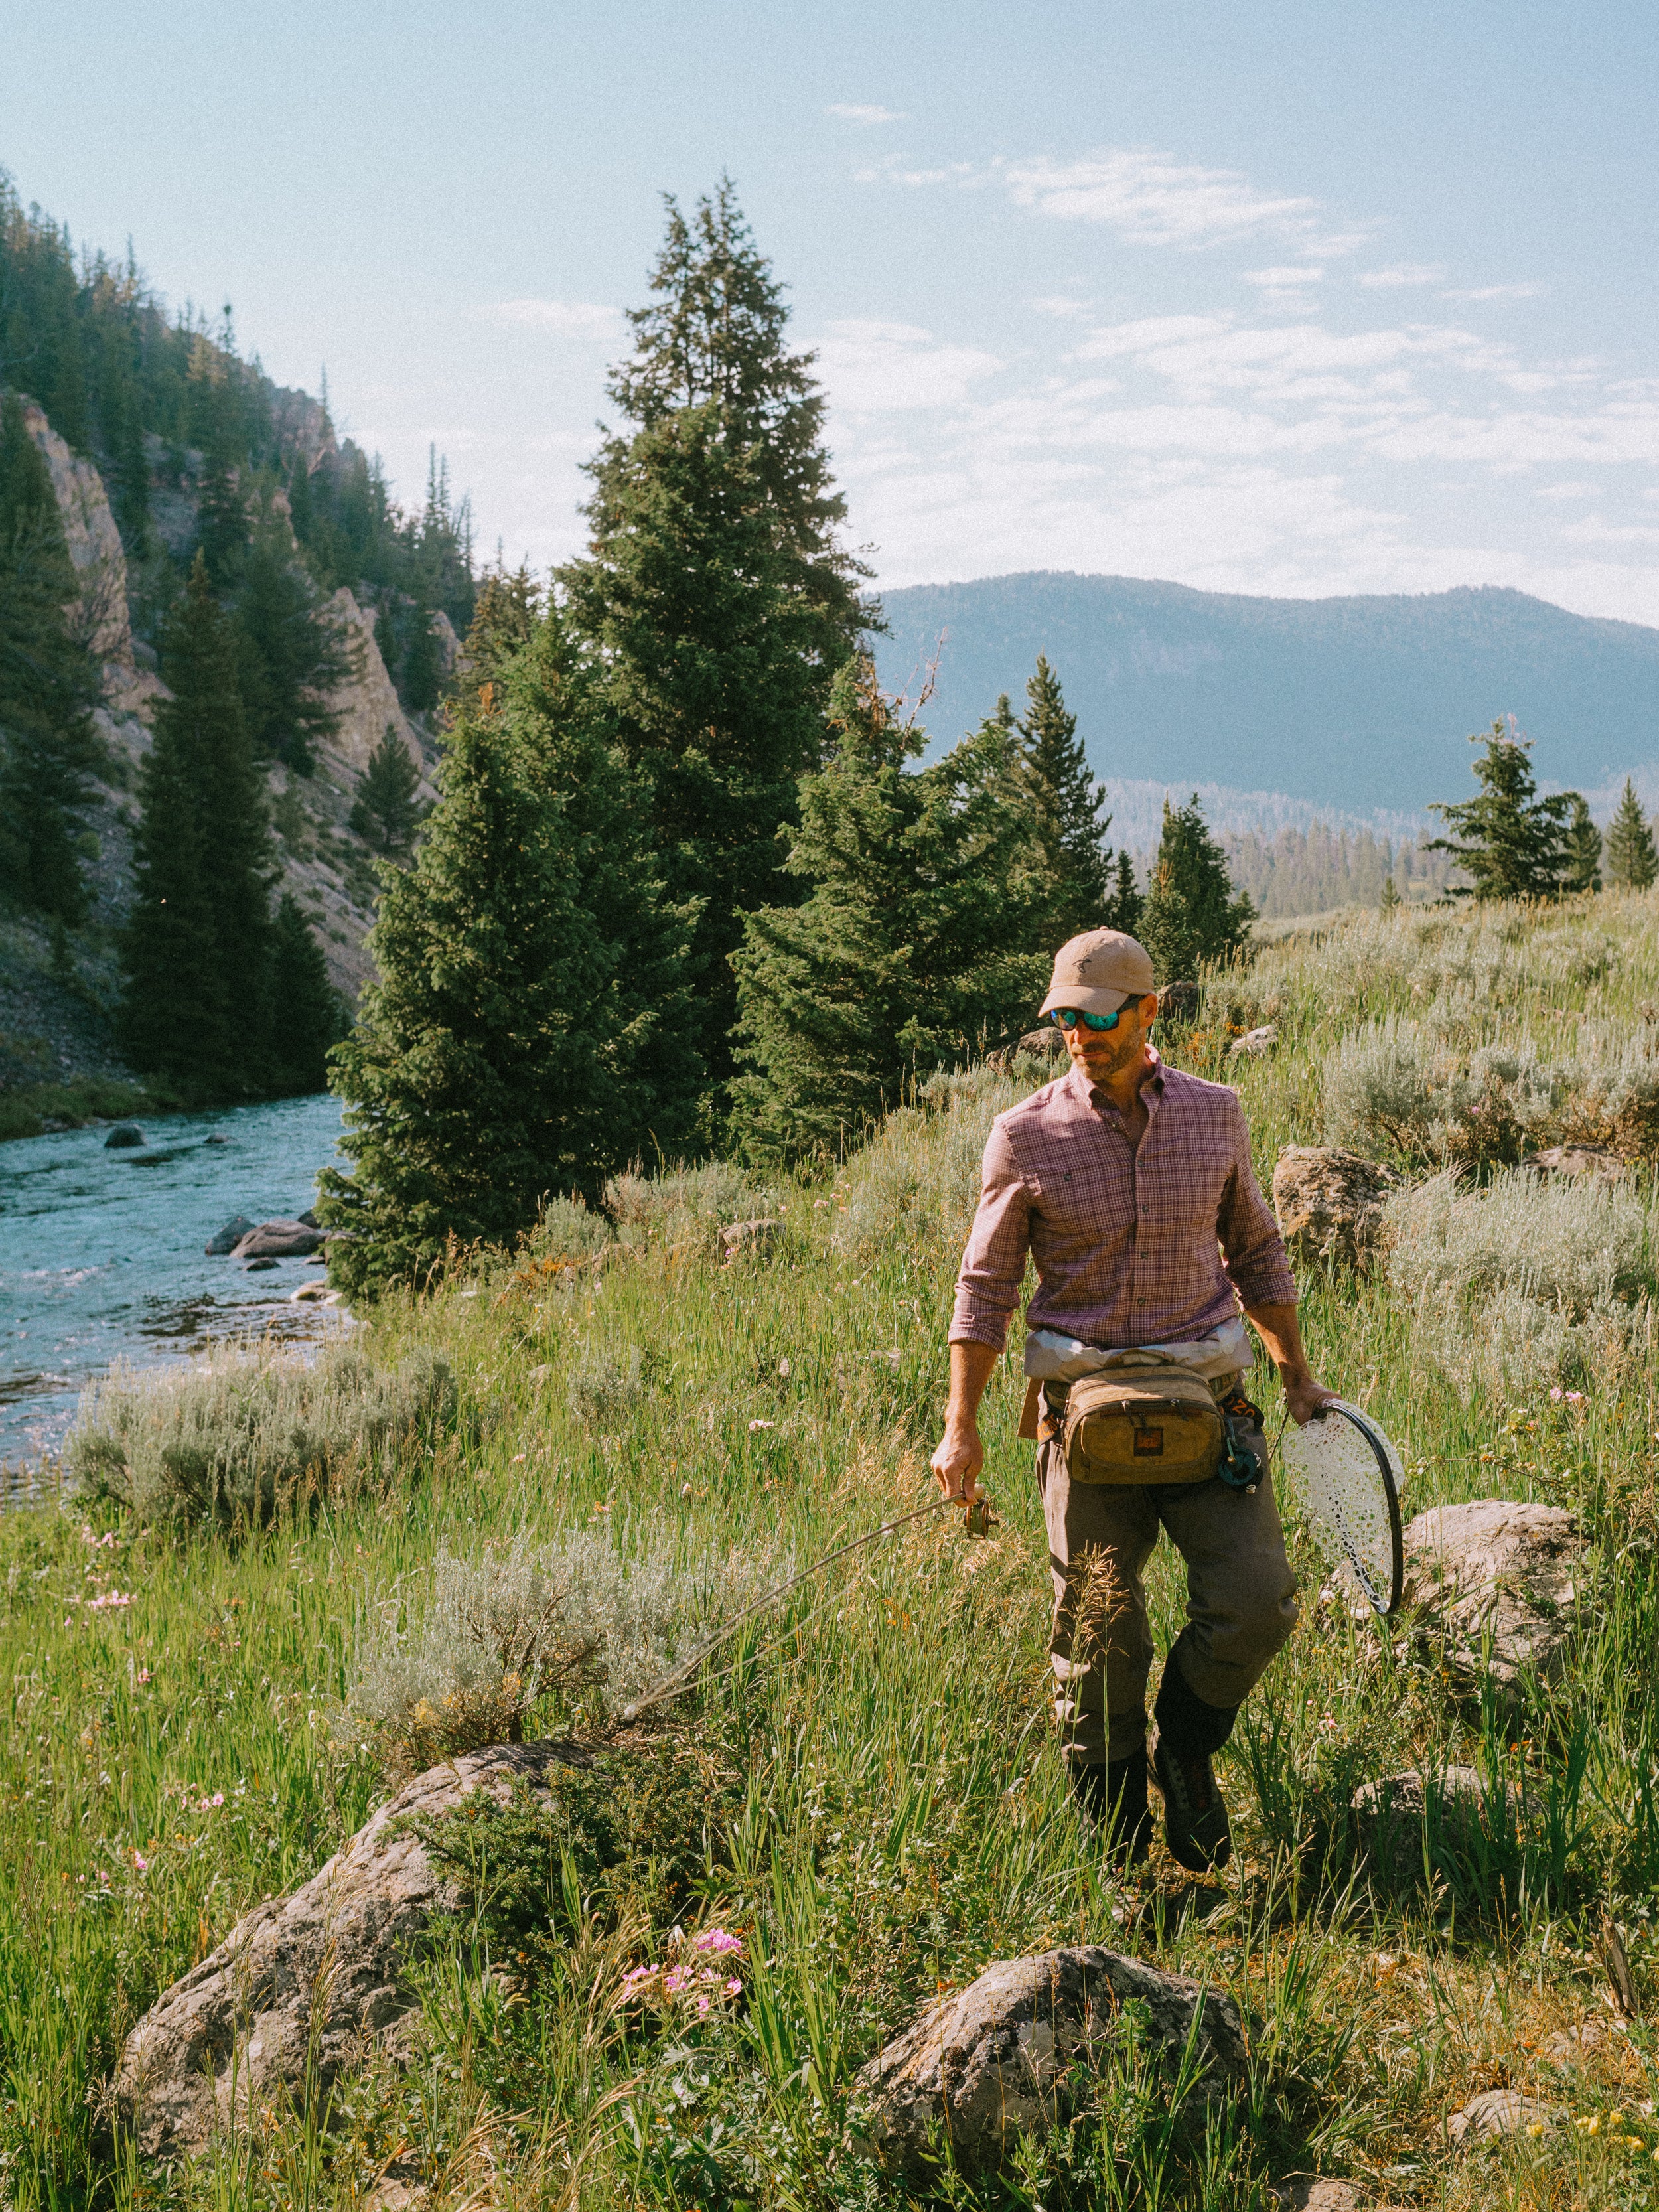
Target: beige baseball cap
x=1098 y=971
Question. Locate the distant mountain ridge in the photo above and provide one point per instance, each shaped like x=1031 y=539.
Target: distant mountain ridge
x=1353 y=704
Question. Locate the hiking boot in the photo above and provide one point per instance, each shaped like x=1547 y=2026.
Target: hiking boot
x=1113 y=1801
x=1194 y=1818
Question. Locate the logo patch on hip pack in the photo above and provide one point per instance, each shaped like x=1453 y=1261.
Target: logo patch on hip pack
x=1149 y=1443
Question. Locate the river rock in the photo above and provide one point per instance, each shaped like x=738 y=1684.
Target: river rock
x=1452 y=1805
x=123 y=1137
x=260 y=1266
x=277 y=1240
x=1498 y=1570
x=326 y=1963
x=1329 y=1202
x=988 y=2062
x=227 y=1238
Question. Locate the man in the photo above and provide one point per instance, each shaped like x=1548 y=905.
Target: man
x=1130 y=1184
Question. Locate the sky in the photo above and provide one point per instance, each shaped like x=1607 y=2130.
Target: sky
x=1295 y=299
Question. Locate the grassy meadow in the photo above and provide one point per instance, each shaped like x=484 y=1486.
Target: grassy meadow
x=863 y=1786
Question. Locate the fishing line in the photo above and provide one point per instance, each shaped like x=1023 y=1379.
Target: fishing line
x=673 y=1682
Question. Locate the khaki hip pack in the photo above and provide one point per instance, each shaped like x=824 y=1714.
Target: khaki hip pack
x=1145 y=1418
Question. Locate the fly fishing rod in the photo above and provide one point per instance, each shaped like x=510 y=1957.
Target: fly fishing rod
x=980 y=1517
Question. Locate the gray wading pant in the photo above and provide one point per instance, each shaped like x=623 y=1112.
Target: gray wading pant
x=1240 y=1596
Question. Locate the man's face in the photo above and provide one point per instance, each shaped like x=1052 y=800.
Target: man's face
x=1103 y=1053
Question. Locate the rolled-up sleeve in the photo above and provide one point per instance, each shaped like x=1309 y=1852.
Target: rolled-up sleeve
x=1257 y=1265
x=994 y=1263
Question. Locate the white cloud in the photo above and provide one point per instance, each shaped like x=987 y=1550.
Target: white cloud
x=1155 y=200
x=869 y=367
x=1571 y=490
x=569 y=318
x=1058 y=304
x=1411 y=272
x=854 y=112
x=1529 y=291
x=1285 y=280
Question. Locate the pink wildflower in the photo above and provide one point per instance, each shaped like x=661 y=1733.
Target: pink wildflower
x=1575 y=1397
x=719 y=1940
x=1556 y=1394
x=115 y=1600
x=734 y=1989
x=143 y=1674
x=753 y=1426
x=141 y=1862
x=702 y=2007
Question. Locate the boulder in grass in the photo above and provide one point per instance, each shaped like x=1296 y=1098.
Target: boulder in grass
x=990 y=2062
x=1253 y=1044
x=1404 y=1819
x=1049 y=1038
x=1495 y=2113
x=756 y=1237
x=277 y=1240
x=1329 y=1203
x=1500 y=1581
x=291 y=1998
x=1594 y=1160
x=226 y=1240
x=123 y=1137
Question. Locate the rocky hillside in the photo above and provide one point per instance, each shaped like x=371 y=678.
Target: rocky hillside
x=58 y=992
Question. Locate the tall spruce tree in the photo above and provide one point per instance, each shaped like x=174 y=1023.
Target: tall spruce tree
x=306 y=1013
x=715 y=588
x=530 y=1031
x=923 y=930
x=1191 y=912
x=292 y=656
x=196 y=956
x=1073 y=863
x=1632 y=860
x=1582 y=849
x=49 y=750
x=1512 y=843
x=504 y=618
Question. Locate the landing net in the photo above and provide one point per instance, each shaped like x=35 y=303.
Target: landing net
x=1346 y=1475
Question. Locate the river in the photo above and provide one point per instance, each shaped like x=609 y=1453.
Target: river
x=101 y=1258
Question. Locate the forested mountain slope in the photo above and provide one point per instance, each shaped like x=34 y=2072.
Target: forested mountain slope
x=1353 y=703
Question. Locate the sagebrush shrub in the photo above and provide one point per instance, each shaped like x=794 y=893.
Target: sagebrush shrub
x=605 y=1384
x=231 y=1439
x=568 y=1230
x=1377 y=1093
x=918 y=1178
x=1523 y=1279
x=575 y=1627
x=688 y=1205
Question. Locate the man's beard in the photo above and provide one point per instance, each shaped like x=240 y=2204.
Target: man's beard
x=1120 y=1052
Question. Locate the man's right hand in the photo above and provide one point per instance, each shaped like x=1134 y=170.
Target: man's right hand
x=959 y=1460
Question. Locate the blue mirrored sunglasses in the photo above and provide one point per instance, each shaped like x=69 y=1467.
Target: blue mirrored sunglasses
x=1067 y=1017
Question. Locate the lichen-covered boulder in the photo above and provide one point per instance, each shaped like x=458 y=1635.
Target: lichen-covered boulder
x=1494 y=2113
x=326 y=1963
x=1500 y=1581
x=988 y=2062
x=1329 y=1203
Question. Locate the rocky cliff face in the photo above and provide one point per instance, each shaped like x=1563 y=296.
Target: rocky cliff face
x=50 y=1027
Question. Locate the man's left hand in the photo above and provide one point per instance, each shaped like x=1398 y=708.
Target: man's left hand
x=1304 y=1397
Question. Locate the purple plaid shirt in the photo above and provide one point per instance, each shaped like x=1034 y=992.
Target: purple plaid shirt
x=1128 y=1240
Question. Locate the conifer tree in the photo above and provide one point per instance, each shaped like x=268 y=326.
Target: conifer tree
x=49 y=751
x=530 y=1031
x=1632 y=858
x=196 y=956
x=715 y=588
x=922 y=932
x=1511 y=841
x=386 y=812
x=221 y=523
x=422 y=671
x=1126 y=905
x=1191 y=912
x=306 y=1013
x=504 y=618
x=1582 y=849
x=1074 y=864
x=292 y=655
